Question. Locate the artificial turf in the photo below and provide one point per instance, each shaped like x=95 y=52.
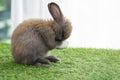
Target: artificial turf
x=76 y=64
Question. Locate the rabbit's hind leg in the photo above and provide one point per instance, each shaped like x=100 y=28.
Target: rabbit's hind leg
x=42 y=62
x=53 y=59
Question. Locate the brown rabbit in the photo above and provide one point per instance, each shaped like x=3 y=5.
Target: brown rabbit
x=32 y=39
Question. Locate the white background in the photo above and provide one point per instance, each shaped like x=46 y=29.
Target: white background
x=96 y=23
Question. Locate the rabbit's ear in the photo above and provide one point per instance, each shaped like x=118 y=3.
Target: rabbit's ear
x=55 y=11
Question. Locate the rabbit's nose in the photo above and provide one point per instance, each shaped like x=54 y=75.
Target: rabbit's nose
x=58 y=38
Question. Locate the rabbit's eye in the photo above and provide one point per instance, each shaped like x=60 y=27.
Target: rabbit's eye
x=59 y=36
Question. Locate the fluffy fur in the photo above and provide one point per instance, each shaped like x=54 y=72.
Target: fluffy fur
x=32 y=39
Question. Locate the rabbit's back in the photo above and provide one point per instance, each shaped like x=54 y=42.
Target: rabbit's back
x=31 y=25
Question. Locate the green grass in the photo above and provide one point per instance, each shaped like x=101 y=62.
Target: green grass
x=76 y=64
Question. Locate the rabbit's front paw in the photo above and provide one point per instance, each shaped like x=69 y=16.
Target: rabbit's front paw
x=63 y=45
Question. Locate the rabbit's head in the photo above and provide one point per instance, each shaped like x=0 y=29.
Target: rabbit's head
x=61 y=26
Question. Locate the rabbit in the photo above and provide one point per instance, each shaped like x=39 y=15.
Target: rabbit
x=34 y=38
